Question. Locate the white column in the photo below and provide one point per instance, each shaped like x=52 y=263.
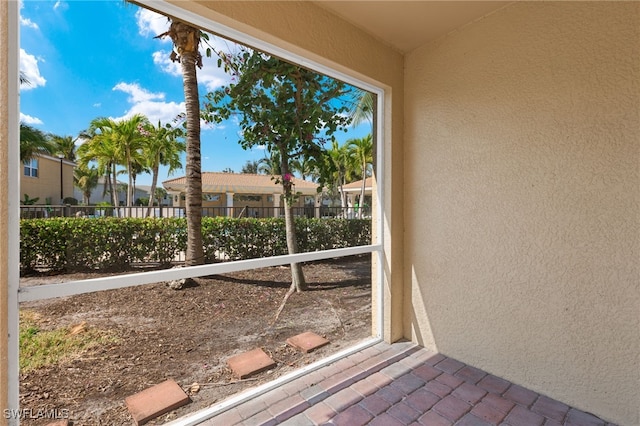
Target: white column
x=229 y=204
x=350 y=205
x=276 y=205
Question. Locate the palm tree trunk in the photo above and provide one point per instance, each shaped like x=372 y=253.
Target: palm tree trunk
x=364 y=178
x=154 y=182
x=195 y=251
x=130 y=186
x=114 y=189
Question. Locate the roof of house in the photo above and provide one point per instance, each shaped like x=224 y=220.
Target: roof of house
x=357 y=185
x=239 y=183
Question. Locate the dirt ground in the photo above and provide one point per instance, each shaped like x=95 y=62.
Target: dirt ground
x=187 y=335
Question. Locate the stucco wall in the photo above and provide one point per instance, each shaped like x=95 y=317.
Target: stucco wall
x=310 y=31
x=522 y=152
x=47 y=184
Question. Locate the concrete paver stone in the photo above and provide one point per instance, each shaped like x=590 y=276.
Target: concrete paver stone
x=155 y=401
x=307 y=341
x=251 y=362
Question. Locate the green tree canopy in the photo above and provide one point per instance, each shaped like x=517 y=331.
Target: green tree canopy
x=251 y=167
x=32 y=142
x=162 y=146
x=285 y=108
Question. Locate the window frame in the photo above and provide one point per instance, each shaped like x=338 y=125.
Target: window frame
x=19 y=294
x=29 y=165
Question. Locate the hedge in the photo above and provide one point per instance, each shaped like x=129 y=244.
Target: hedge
x=76 y=244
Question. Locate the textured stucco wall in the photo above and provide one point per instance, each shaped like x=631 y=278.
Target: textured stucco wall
x=522 y=153
x=310 y=31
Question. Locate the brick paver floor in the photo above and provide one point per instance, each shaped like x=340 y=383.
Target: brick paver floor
x=402 y=384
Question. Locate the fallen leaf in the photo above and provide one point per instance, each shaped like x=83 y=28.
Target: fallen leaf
x=77 y=329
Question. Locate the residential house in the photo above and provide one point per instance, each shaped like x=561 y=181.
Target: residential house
x=47 y=178
x=510 y=181
x=100 y=194
x=353 y=191
x=246 y=194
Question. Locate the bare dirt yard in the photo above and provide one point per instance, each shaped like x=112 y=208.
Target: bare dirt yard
x=156 y=333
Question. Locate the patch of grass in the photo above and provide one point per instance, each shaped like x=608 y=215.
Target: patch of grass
x=40 y=347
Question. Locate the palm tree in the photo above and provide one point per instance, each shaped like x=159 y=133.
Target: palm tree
x=32 y=142
x=270 y=165
x=304 y=166
x=23 y=79
x=361 y=150
x=86 y=179
x=186 y=41
x=129 y=140
x=161 y=147
x=101 y=148
x=341 y=168
x=251 y=167
x=364 y=107
x=65 y=146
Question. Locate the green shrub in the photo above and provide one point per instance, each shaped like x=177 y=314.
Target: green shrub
x=118 y=243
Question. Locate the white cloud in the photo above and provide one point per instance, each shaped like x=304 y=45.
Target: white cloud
x=26 y=22
x=209 y=75
x=97 y=105
x=29 y=67
x=137 y=93
x=60 y=5
x=151 y=24
x=152 y=105
x=161 y=58
x=27 y=119
x=164 y=112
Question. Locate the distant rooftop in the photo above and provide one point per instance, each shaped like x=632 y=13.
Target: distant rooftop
x=357 y=185
x=239 y=183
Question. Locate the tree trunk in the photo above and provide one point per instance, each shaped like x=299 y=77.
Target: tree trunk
x=154 y=182
x=114 y=190
x=130 y=186
x=297 y=276
x=362 y=190
x=188 y=60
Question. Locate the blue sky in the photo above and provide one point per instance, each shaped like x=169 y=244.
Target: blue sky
x=88 y=59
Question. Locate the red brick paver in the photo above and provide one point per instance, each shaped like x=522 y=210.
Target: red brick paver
x=401 y=384
x=156 y=400
x=251 y=362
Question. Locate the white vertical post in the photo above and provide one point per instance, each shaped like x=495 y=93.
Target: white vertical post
x=276 y=205
x=229 y=204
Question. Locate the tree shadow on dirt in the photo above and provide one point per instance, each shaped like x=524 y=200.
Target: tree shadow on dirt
x=364 y=282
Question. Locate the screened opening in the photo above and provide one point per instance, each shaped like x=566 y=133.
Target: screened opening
x=104 y=279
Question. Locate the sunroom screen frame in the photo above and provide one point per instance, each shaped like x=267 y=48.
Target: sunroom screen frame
x=19 y=294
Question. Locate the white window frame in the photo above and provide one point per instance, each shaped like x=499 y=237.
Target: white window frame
x=29 y=164
x=19 y=294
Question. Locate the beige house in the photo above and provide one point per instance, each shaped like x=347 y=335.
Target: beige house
x=510 y=133
x=252 y=195
x=47 y=178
